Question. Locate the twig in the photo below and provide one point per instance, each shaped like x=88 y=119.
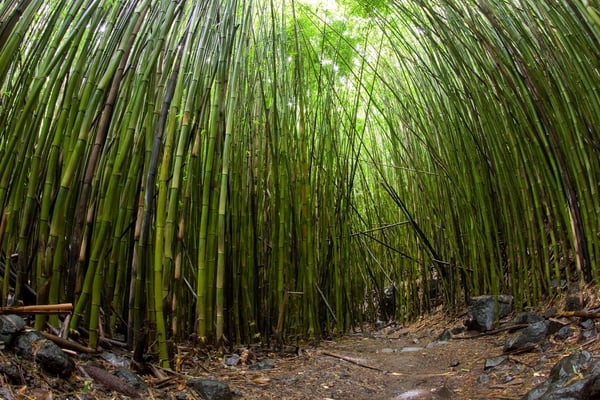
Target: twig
x=350 y=360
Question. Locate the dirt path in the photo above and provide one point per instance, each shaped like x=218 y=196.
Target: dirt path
x=397 y=364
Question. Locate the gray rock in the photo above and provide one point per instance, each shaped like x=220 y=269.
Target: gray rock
x=262 y=365
x=232 y=360
x=11 y=374
x=485 y=310
x=530 y=336
x=527 y=317
x=131 y=378
x=563 y=384
x=573 y=303
x=483 y=379
x=494 y=362
x=564 y=333
x=445 y=336
x=587 y=324
x=46 y=353
x=211 y=389
x=10 y=326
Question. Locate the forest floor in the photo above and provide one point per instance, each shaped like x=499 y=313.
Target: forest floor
x=392 y=363
x=401 y=363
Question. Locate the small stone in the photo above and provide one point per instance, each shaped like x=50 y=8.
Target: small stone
x=454 y=363
x=410 y=349
x=232 y=360
x=494 y=362
x=12 y=374
x=263 y=365
x=587 y=324
x=483 y=379
x=444 y=336
x=563 y=333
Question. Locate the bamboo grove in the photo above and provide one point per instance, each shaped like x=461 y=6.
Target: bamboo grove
x=261 y=170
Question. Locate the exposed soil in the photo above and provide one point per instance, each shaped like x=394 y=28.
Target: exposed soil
x=391 y=363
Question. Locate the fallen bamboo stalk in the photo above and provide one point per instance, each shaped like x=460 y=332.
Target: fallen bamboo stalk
x=65 y=308
x=350 y=360
x=580 y=314
x=360 y=364
x=68 y=344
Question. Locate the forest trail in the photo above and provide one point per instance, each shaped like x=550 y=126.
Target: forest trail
x=400 y=363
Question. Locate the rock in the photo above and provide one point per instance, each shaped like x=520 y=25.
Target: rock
x=573 y=303
x=564 y=333
x=131 y=379
x=262 y=365
x=485 y=310
x=554 y=326
x=6 y=393
x=445 y=336
x=551 y=312
x=115 y=360
x=588 y=334
x=587 y=324
x=530 y=336
x=483 y=379
x=211 y=389
x=232 y=360
x=575 y=377
x=527 y=318
x=410 y=349
x=494 y=362
x=10 y=326
x=11 y=374
x=46 y=353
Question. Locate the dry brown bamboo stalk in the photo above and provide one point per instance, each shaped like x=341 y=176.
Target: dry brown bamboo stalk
x=65 y=308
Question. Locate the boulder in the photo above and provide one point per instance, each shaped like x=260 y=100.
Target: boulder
x=211 y=389
x=575 y=377
x=10 y=326
x=47 y=354
x=485 y=310
x=535 y=333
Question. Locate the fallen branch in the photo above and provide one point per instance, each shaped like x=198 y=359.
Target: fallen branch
x=65 y=308
x=350 y=360
x=494 y=331
x=580 y=314
x=68 y=344
x=353 y=361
